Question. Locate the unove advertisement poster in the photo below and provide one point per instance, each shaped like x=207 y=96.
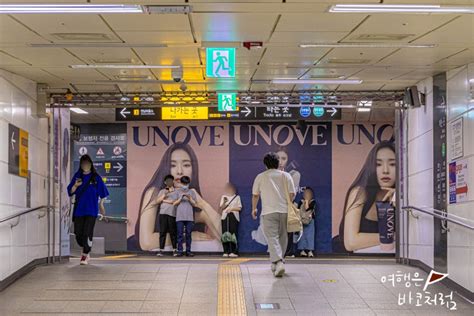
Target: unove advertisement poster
x=349 y=167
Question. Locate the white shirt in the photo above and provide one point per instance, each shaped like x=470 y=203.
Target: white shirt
x=236 y=203
x=271 y=188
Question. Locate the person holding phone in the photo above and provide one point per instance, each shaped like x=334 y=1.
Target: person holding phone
x=89 y=194
x=185 y=202
x=167 y=215
x=230 y=206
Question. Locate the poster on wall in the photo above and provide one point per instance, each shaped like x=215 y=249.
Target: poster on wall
x=61 y=145
x=17 y=151
x=330 y=158
x=109 y=154
x=458 y=181
x=456 y=141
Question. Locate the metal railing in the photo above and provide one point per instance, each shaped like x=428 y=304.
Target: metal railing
x=443 y=216
x=439 y=214
x=107 y=219
x=28 y=211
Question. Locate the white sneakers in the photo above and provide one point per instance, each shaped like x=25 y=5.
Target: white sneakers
x=231 y=255
x=303 y=253
x=273 y=267
x=84 y=259
x=279 y=269
x=310 y=254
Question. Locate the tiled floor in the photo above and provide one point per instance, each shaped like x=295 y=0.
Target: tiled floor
x=172 y=287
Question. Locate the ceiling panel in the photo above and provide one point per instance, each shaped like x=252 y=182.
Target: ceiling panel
x=17 y=33
x=270 y=87
x=75 y=75
x=84 y=87
x=294 y=51
x=304 y=22
x=189 y=73
x=371 y=55
x=35 y=74
x=47 y=24
x=8 y=60
x=372 y=86
x=459 y=32
x=399 y=85
x=136 y=87
x=267 y=73
x=327 y=72
x=190 y=87
x=380 y=73
x=148 y=22
x=128 y=74
x=463 y=58
x=43 y=56
x=409 y=24
x=98 y=55
x=419 y=56
x=169 y=37
x=169 y=56
x=307 y=37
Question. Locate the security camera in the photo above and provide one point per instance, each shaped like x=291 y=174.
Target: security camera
x=183 y=87
x=177 y=74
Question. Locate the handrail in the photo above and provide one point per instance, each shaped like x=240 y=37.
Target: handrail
x=29 y=210
x=440 y=216
x=113 y=218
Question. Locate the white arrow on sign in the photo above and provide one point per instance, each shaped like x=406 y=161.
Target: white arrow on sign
x=247 y=111
x=119 y=167
x=124 y=111
x=13 y=141
x=333 y=111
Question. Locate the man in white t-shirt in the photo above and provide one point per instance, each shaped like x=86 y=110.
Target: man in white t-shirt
x=270 y=186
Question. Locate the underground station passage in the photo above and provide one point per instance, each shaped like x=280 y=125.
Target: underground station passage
x=299 y=157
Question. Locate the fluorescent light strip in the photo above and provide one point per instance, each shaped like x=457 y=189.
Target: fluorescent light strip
x=124 y=66
x=366 y=45
x=398 y=8
x=69 y=8
x=316 y=81
x=95 y=44
x=78 y=111
x=363 y=109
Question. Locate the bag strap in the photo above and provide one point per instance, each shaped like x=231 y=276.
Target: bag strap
x=230 y=202
x=287 y=191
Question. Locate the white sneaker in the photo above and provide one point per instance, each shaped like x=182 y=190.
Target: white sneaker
x=225 y=255
x=280 y=269
x=233 y=255
x=84 y=260
x=310 y=254
x=159 y=254
x=273 y=267
x=303 y=254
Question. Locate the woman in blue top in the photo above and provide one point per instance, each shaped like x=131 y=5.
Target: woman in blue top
x=90 y=192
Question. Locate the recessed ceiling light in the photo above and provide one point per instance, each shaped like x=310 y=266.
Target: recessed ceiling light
x=366 y=45
x=399 y=8
x=78 y=110
x=113 y=66
x=69 y=8
x=316 y=81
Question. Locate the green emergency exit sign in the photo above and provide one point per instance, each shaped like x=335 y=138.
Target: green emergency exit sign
x=220 y=62
x=227 y=102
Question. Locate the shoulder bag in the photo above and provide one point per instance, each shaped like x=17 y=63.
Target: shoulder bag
x=294 y=219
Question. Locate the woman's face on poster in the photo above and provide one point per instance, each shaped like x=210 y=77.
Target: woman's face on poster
x=181 y=164
x=386 y=168
x=283 y=159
